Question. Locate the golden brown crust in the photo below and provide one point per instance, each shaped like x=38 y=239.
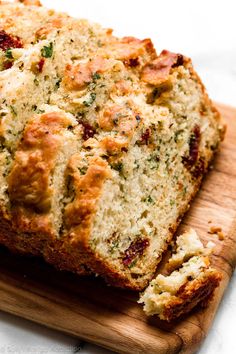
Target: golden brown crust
x=87 y=190
x=39 y=244
x=191 y=294
x=29 y=179
x=122 y=88
x=109 y=117
x=25 y=243
x=30 y=2
x=55 y=23
x=133 y=51
x=79 y=76
x=124 y=122
x=113 y=146
x=157 y=71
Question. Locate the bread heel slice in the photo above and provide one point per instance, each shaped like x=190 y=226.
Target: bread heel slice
x=172 y=296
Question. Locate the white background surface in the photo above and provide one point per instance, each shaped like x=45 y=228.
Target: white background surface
x=205 y=30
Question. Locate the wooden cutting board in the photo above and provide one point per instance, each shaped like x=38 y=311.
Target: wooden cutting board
x=87 y=308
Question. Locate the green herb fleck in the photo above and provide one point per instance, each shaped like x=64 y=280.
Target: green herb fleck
x=13 y=110
x=57 y=84
x=91 y=33
x=136 y=164
x=149 y=200
x=82 y=170
x=36 y=82
x=40 y=111
x=153 y=160
x=114 y=246
x=94 y=243
x=8 y=53
x=47 y=52
x=96 y=76
x=172 y=202
x=99 y=43
x=177 y=134
x=91 y=99
x=8 y=160
x=132 y=264
x=34 y=107
x=118 y=167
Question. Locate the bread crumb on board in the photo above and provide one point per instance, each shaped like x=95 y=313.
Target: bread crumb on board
x=218 y=231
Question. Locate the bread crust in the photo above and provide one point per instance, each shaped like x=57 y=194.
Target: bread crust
x=28 y=180
x=30 y=2
x=191 y=294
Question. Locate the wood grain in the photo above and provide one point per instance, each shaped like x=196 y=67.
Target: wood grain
x=87 y=308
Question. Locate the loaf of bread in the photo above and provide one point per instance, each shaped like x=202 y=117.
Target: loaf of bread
x=191 y=282
x=104 y=143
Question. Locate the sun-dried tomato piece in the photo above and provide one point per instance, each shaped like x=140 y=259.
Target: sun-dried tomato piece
x=7 y=64
x=37 y=67
x=145 y=137
x=8 y=41
x=88 y=130
x=41 y=64
x=194 y=142
x=179 y=61
x=136 y=248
